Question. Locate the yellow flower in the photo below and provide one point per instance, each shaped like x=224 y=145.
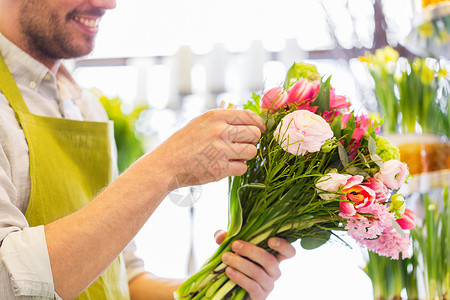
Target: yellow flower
x=426 y=30
x=364 y=59
x=442 y=73
x=427 y=75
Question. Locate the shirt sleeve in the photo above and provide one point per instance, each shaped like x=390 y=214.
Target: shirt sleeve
x=133 y=263
x=25 y=270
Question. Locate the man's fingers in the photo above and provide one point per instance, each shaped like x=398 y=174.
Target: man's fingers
x=242 y=151
x=252 y=271
x=253 y=288
x=241 y=134
x=284 y=248
x=260 y=256
x=244 y=117
x=220 y=235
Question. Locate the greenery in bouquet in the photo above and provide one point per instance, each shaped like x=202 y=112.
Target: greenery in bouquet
x=320 y=168
x=410 y=92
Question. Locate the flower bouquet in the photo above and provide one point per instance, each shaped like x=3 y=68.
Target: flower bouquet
x=319 y=168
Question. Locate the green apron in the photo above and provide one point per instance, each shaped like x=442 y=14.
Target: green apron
x=70 y=162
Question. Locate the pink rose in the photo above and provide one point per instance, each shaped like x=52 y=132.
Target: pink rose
x=393 y=174
x=408 y=220
x=303 y=93
x=332 y=182
x=302 y=131
x=381 y=191
x=274 y=99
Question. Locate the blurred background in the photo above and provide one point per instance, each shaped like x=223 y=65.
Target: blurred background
x=158 y=64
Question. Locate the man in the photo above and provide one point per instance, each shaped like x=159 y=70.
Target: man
x=56 y=155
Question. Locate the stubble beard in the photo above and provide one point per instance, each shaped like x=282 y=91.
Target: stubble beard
x=47 y=36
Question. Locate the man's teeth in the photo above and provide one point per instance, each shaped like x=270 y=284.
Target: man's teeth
x=87 y=22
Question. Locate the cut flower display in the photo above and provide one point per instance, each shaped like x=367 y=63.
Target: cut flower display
x=320 y=169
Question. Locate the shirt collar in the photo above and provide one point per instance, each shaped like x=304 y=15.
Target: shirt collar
x=33 y=74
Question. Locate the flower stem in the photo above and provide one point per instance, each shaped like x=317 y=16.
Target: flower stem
x=224 y=290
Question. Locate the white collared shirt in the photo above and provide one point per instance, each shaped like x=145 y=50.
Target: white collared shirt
x=25 y=271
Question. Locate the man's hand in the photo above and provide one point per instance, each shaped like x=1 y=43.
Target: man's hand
x=253 y=268
x=212 y=146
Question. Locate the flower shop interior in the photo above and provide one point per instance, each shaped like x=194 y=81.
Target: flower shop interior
x=157 y=65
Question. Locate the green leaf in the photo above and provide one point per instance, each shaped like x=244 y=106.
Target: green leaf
x=349 y=129
x=299 y=71
x=235 y=209
x=336 y=126
x=254 y=105
x=372 y=145
x=377 y=159
x=316 y=241
x=290 y=194
x=323 y=98
x=363 y=159
x=343 y=156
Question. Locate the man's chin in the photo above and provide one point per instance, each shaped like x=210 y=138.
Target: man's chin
x=78 y=52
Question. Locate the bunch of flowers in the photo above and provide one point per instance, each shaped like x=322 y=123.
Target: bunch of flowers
x=319 y=168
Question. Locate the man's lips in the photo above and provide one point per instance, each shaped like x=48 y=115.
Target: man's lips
x=88 y=23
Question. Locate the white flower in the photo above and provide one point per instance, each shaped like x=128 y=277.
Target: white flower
x=331 y=182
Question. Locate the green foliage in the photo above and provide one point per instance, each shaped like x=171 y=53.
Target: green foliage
x=313 y=242
x=129 y=144
x=298 y=71
x=323 y=98
x=386 y=150
x=254 y=105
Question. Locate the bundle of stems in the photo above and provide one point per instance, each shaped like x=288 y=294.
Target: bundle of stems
x=277 y=196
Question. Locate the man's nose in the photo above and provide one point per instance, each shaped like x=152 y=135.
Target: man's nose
x=104 y=4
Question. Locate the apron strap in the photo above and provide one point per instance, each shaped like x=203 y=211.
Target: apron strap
x=9 y=88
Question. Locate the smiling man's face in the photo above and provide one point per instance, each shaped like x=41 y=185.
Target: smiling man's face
x=56 y=29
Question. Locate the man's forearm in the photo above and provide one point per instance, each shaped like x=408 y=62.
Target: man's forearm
x=83 y=244
x=149 y=287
